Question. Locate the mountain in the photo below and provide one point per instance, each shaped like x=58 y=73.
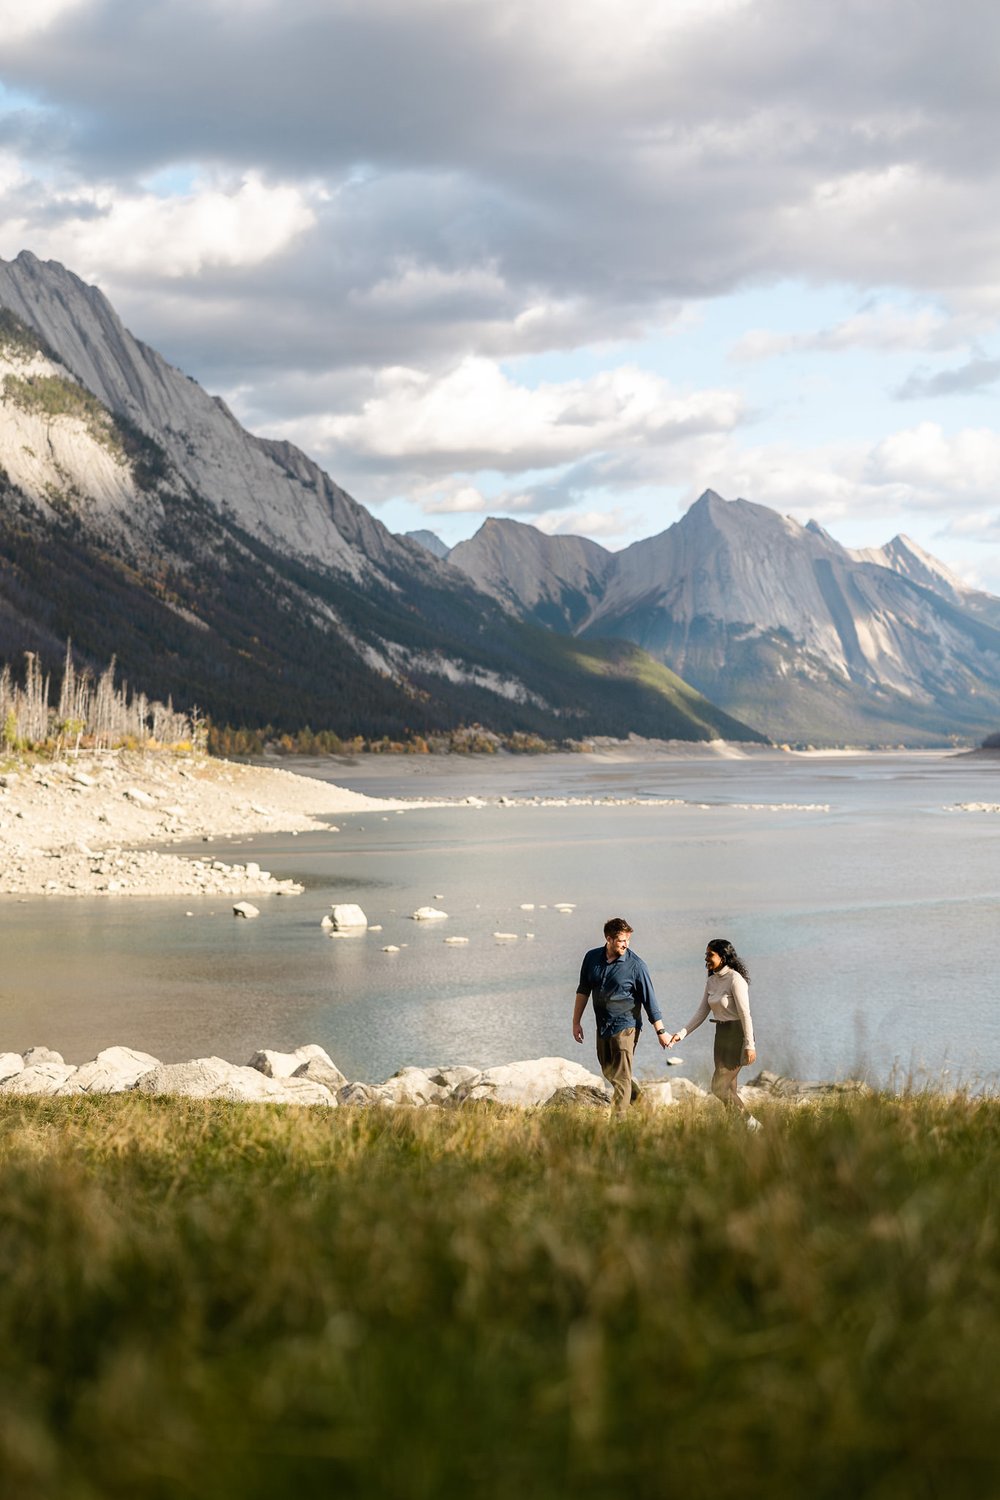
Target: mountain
x=903 y=555
x=784 y=627
x=430 y=541
x=553 y=580
x=139 y=518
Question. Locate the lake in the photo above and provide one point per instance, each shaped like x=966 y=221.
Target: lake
x=864 y=904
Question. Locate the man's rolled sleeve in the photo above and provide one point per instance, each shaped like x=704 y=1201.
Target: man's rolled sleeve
x=647 y=996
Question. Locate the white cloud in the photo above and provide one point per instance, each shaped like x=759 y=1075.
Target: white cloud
x=460 y=500
x=605 y=526
x=19 y=19
x=413 y=286
x=941 y=488
x=107 y=235
x=938 y=470
x=886 y=327
x=476 y=417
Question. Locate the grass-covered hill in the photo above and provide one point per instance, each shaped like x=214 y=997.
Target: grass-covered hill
x=214 y=1301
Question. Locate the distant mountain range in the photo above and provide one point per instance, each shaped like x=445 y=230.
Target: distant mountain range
x=138 y=518
x=776 y=622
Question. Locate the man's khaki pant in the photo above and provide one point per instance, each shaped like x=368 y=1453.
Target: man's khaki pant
x=614 y=1053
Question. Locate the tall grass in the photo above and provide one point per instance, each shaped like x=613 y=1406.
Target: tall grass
x=210 y=1300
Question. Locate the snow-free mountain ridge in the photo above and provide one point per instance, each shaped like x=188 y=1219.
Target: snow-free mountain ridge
x=139 y=518
x=774 y=620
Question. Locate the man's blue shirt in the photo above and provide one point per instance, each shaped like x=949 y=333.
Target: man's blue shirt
x=621 y=990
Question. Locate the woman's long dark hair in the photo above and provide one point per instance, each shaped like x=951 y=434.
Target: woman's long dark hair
x=724 y=948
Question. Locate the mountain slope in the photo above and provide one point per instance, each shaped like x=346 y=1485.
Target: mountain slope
x=272 y=598
x=776 y=622
x=905 y=556
x=553 y=580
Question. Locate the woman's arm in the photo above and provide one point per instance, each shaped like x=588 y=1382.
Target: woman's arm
x=741 y=999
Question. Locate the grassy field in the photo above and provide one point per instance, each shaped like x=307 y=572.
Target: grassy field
x=209 y=1300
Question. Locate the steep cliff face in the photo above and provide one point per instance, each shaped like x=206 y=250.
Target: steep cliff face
x=270 y=489
x=554 y=580
x=777 y=622
x=904 y=556
x=232 y=573
x=60 y=446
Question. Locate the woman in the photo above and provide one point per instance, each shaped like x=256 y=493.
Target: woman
x=727 y=997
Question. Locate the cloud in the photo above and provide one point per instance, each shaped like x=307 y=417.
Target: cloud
x=935 y=469
x=606 y=526
x=475 y=417
x=347 y=217
x=975 y=375
x=748 y=140
x=922 y=472
x=460 y=500
x=170 y=237
x=18 y=20
x=886 y=328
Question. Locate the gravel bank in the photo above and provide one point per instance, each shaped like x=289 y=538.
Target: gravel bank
x=96 y=825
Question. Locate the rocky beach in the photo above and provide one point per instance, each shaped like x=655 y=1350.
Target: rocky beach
x=100 y=824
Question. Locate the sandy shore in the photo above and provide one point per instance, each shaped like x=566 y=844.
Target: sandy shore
x=95 y=825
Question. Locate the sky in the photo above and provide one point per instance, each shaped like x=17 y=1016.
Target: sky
x=572 y=262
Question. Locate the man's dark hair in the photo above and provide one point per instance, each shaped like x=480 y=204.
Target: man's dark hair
x=614 y=926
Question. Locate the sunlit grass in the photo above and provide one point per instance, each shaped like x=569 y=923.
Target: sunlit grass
x=215 y=1300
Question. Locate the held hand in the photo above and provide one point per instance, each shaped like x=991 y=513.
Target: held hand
x=751 y=1054
x=663 y=1039
x=673 y=1040
x=577 y=1032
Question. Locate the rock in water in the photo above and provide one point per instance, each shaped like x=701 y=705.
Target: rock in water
x=348 y=917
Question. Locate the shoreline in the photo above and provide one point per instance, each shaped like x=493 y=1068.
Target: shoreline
x=99 y=824
x=308 y=1075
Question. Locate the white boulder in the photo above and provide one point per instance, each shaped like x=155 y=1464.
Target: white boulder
x=214 y=1078
x=10 y=1063
x=246 y=909
x=363 y=1096
x=683 y=1088
x=450 y=1078
x=111 y=1072
x=429 y=914
x=348 y=916
x=40 y=1055
x=38 y=1078
x=287 y=1064
x=139 y=797
x=658 y=1093
x=412 y=1086
x=587 y=1095
x=526 y=1083
x=320 y=1070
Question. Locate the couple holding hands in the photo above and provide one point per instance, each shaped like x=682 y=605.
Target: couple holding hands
x=622 y=989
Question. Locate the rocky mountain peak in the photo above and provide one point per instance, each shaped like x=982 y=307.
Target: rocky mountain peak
x=270 y=489
x=552 y=579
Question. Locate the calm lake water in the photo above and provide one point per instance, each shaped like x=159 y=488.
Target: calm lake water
x=868 y=926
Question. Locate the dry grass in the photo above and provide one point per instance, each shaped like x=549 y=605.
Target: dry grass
x=213 y=1300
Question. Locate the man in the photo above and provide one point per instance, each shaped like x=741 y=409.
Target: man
x=622 y=989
